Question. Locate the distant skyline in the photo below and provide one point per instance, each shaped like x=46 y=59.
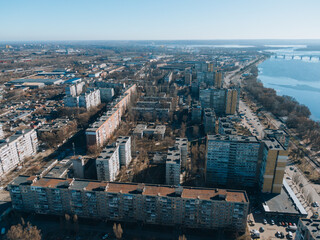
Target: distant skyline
x=41 y=20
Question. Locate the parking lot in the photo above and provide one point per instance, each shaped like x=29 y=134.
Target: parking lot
x=250 y=120
x=269 y=229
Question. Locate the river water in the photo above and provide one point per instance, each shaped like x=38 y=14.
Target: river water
x=295 y=77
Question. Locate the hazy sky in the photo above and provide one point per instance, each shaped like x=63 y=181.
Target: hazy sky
x=158 y=19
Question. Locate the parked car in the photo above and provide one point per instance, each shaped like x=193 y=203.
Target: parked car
x=265 y=221
x=261 y=229
x=272 y=222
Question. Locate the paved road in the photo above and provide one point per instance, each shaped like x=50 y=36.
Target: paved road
x=251 y=121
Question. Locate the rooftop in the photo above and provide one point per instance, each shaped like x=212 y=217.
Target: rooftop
x=135 y=188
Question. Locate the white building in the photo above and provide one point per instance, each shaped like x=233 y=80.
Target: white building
x=75 y=89
x=124 y=144
x=16 y=148
x=1 y=131
x=107 y=164
x=86 y=100
x=173 y=166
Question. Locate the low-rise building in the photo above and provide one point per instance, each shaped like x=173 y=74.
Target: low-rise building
x=143 y=130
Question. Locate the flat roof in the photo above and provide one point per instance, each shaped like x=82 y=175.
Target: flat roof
x=135 y=188
x=233 y=138
x=284 y=203
x=313 y=225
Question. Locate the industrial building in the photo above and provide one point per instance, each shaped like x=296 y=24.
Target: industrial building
x=16 y=148
x=189 y=207
x=45 y=81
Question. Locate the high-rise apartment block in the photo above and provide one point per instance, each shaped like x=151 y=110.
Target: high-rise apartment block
x=232 y=101
x=74 y=89
x=274 y=161
x=232 y=160
x=241 y=161
x=108 y=163
x=224 y=101
x=16 y=148
x=209 y=121
x=173 y=166
x=124 y=143
x=218 y=79
x=87 y=100
x=131 y=202
x=182 y=144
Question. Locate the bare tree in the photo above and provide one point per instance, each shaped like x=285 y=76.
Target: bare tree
x=117 y=230
x=18 y=232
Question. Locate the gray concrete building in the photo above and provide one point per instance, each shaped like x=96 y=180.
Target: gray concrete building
x=190 y=207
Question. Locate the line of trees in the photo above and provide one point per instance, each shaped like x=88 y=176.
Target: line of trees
x=285 y=106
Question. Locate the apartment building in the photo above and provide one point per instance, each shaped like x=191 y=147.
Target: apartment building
x=87 y=100
x=75 y=89
x=182 y=144
x=108 y=163
x=218 y=79
x=232 y=160
x=173 y=166
x=101 y=130
x=242 y=161
x=16 y=148
x=1 y=131
x=226 y=126
x=274 y=161
x=189 y=207
x=224 y=101
x=209 y=121
x=281 y=135
x=196 y=112
x=168 y=77
x=124 y=143
x=232 y=101
x=308 y=229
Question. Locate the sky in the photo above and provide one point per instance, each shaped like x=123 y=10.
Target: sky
x=22 y=20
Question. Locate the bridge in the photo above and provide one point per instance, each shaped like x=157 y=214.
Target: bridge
x=298 y=57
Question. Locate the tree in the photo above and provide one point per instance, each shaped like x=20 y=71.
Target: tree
x=183 y=237
x=117 y=230
x=27 y=232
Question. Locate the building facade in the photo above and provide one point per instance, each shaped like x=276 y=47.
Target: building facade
x=131 y=202
x=124 y=143
x=100 y=131
x=209 y=121
x=108 y=163
x=173 y=166
x=308 y=229
x=16 y=148
x=232 y=160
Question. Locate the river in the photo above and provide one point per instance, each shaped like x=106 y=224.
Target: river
x=295 y=77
